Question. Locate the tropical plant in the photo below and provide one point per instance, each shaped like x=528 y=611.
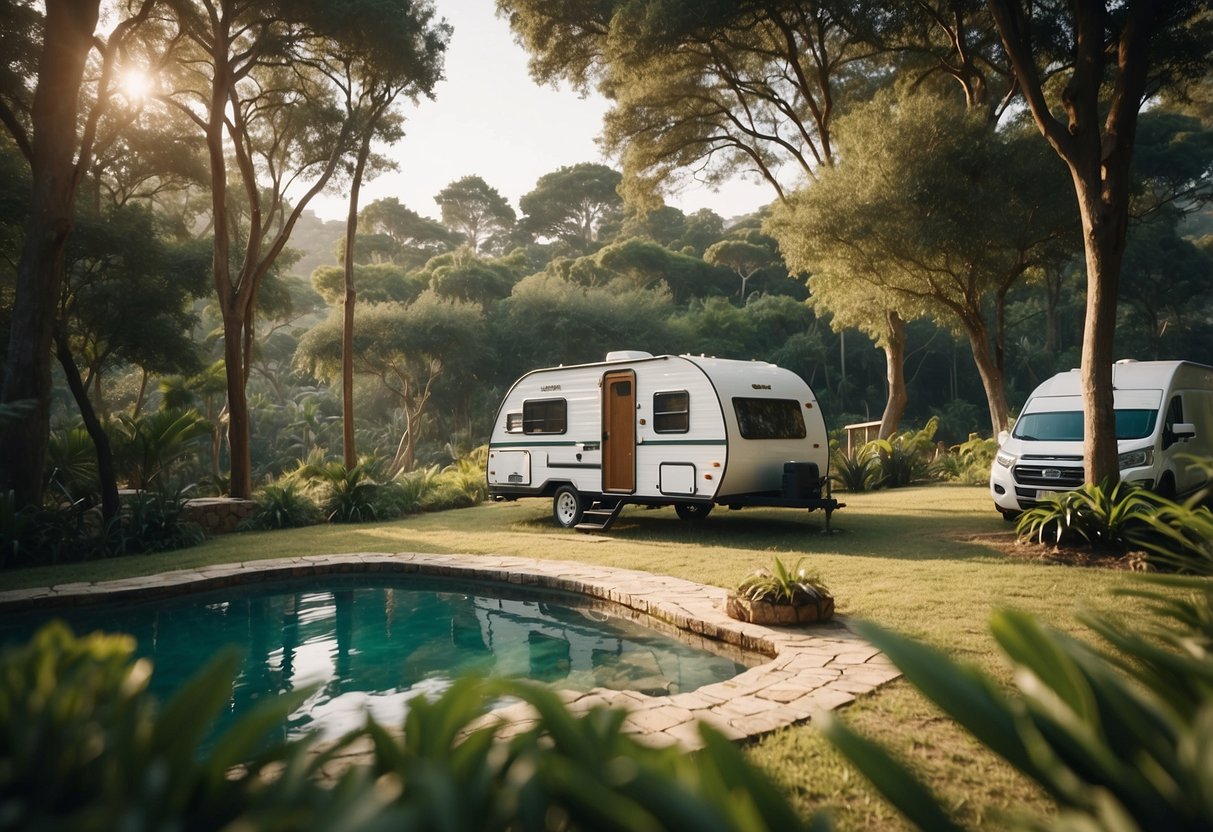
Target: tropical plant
x=856 y=471
x=969 y=462
x=149 y=449
x=152 y=521
x=281 y=506
x=780 y=585
x=416 y=487
x=906 y=457
x=1177 y=536
x=87 y=747
x=71 y=459
x=1102 y=514
x=1118 y=739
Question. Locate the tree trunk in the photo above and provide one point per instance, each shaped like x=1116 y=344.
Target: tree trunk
x=991 y=379
x=350 y=452
x=1103 y=256
x=107 y=479
x=67 y=40
x=238 y=440
x=895 y=364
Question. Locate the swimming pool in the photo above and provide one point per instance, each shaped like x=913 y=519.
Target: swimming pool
x=370 y=643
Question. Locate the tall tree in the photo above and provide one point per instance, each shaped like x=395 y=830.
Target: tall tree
x=417 y=238
x=477 y=211
x=572 y=204
x=918 y=212
x=1115 y=56
x=253 y=78
x=59 y=144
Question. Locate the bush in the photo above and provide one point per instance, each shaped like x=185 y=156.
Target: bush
x=86 y=747
x=968 y=463
x=855 y=472
x=1102 y=515
x=152 y=521
x=905 y=458
x=282 y=506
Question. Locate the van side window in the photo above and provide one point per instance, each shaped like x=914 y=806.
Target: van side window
x=545 y=416
x=513 y=422
x=769 y=418
x=672 y=412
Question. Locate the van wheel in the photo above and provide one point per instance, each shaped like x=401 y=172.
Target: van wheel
x=693 y=511
x=1009 y=515
x=567 y=507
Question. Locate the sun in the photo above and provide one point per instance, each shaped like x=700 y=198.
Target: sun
x=136 y=84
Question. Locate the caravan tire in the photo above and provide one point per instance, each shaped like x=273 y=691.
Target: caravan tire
x=693 y=511
x=567 y=507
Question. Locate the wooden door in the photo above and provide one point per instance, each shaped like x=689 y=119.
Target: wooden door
x=619 y=431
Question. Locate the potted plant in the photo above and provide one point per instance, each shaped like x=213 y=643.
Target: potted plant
x=781 y=596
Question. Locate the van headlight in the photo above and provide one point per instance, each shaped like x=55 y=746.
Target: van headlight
x=1137 y=459
x=1005 y=459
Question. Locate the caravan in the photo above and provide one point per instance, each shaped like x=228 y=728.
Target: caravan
x=680 y=430
x=1164 y=419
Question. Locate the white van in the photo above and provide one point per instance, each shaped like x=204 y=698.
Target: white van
x=1164 y=416
x=680 y=430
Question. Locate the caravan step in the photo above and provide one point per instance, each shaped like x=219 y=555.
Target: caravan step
x=599 y=516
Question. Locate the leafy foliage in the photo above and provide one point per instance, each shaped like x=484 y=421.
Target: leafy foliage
x=969 y=462
x=282 y=506
x=1102 y=515
x=857 y=471
x=780 y=585
x=87 y=747
x=905 y=458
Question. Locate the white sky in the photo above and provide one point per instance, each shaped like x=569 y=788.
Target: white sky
x=490 y=119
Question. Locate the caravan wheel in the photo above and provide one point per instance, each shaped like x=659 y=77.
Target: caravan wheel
x=693 y=511
x=567 y=507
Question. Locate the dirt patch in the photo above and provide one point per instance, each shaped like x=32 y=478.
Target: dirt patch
x=1062 y=555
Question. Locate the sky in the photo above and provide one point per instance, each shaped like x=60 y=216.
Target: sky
x=491 y=119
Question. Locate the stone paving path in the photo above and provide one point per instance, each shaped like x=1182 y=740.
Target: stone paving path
x=807 y=670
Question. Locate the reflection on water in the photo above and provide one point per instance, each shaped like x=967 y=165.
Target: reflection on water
x=370 y=644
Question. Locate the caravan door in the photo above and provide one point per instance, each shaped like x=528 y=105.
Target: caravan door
x=619 y=431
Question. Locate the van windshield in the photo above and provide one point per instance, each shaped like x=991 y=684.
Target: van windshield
x=1066 y=426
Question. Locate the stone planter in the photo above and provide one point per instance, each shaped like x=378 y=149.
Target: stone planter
x=779 y=615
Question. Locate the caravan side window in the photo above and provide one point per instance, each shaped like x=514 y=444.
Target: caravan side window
x=513 y=422
x=672 y=412
x=545 y=416
x=769 y=418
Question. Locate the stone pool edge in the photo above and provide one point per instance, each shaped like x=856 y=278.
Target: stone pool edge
x=809 y=670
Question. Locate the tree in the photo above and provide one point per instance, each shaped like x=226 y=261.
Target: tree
x=407 y=348
x=745 y=258
x=478 y=212
x=256 y=82
x=572 y=204
x=48 y=132
x=917 y=211
x=417 y=238
x=1115 y=56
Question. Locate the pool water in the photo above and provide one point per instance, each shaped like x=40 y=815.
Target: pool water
x=371 y=643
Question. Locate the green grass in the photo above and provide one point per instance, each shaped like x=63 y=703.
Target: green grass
x=903 y=558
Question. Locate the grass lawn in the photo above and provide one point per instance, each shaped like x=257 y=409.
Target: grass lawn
x=903 y=558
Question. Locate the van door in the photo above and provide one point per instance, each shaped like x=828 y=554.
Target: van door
x=619 y=431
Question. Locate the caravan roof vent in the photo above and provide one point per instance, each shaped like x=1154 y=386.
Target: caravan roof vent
x=627 y=355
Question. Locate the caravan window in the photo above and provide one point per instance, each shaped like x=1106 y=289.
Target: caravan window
x=513 y=422
x=545 y=416
x=672 y=412
x=769 y=418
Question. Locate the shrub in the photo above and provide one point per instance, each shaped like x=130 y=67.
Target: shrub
x=282 y=506
x=1177 y=536
x=414 y=487
x=780 y=585
x=968 y=463
x=86 y=747
x=1102 y=515
x=855 y=472
x=1119 y=740
x=905 y=458
x=152 y=521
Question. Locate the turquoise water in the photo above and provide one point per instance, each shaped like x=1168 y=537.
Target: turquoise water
x=371 y=643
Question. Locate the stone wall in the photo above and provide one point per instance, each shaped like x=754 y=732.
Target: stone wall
x=218 y=515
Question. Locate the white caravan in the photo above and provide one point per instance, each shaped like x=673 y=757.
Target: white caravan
x=1164 y=418
x=692 y=432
